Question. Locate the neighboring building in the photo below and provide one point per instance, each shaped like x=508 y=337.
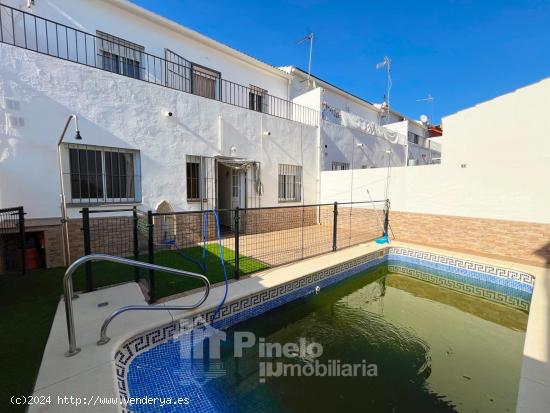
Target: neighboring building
x=355 y=133
x=167 y=116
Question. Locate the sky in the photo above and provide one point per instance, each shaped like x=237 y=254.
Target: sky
x=461 y=52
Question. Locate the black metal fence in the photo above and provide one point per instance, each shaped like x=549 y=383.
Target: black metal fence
x=12 y=241
x=119 y=232
x=251 y=239
x=110 y=53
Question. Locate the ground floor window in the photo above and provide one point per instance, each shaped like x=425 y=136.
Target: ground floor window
x=193 y=177
x=105 y=175
x=340 y=166
x=290 y=182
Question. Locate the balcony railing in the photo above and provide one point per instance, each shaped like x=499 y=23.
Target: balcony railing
x=109 y=53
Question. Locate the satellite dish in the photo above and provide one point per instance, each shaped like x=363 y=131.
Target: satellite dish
x=424 y=119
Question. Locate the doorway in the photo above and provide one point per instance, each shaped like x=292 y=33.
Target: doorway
x=231 y=193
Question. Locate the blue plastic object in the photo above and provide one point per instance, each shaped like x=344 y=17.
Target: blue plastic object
x=205 y=223
x=383 y=240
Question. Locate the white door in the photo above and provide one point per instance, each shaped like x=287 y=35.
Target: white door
x=237 y=188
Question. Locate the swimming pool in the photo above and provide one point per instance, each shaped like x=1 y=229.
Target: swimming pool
x=422 y=333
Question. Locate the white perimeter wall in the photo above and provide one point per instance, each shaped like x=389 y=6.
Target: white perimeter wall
x=121 y=112
x=496 y=164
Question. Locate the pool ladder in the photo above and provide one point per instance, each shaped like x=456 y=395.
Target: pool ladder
x=69 y=295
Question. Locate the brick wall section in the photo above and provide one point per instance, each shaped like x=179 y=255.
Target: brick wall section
x=522 y=242
x=277 y=219
x=53 y=241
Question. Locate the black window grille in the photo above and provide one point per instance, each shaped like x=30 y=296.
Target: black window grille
x=256 y=98
x=119 y=56
x=86 y=171
x=205 y=82
x=340 y=166
x=119 y=169
x=193 y=178
x=290 y=182
x=107 y=175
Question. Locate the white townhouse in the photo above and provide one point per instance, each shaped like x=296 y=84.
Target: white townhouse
x=166 y=117
x=355 y=133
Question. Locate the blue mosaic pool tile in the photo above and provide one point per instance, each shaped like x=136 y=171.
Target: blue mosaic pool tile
x=471 y=270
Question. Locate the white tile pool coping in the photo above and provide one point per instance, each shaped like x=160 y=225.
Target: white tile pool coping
x=91 y=373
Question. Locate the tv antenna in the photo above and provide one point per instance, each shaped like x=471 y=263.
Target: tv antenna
x=430 y=101
x=386 y=63
x=304 y=39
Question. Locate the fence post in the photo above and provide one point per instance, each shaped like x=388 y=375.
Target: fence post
x=386 y=217
x=151 y=248
x=21 y=213
x=136 y=241
x=334 y=227
x=237 y=234
x=87 y=248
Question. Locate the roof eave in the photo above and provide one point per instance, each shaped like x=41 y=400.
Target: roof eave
x=149 y=15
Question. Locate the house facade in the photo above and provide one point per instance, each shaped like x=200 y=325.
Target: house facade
x=106 y=105
x=166 y=117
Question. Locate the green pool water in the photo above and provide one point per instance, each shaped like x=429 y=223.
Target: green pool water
x=435 y=350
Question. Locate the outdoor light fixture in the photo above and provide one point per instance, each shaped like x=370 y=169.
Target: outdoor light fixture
x=64 y=221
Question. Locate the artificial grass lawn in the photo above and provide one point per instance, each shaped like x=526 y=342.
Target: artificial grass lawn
x=28 y=304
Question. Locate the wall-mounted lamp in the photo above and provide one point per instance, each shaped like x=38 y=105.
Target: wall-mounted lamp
x=267 y=133
x=168 y=114
x=233 y=149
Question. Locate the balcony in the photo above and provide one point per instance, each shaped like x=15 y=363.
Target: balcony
x=106 y=52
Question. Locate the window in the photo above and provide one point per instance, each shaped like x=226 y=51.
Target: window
x=416 y=139
x=340 y=166
x=103 y=174
x=119 y=56
x=290 y=182
x=193 y=168
x=205 y=82
x=413 y=138
x=257 y=98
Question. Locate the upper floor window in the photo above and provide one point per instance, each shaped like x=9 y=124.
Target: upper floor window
x=416 y=139
x=413 y=137
x=257 y=98
x=105 y=175
x=205 y=82
x=340 y=166
x=290 y=182
x=193 y=177
x=120 y=56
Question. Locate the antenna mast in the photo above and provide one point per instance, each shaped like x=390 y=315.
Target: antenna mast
x=387 y=64
x=309 y=37
x=430 y=101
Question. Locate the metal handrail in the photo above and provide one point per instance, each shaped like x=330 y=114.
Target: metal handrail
x=68 y=294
